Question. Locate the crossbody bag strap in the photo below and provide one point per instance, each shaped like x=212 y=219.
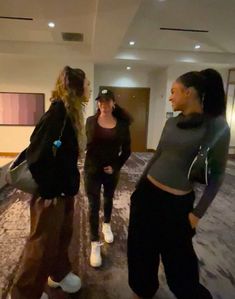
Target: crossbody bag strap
x=57 y=143
x=211 y=137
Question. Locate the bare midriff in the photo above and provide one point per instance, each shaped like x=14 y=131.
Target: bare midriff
x=167 y=188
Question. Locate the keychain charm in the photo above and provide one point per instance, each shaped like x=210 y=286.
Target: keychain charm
x=57 y=143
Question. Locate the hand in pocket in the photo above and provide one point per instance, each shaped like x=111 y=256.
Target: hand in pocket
x=193 y=220
x=108 y=169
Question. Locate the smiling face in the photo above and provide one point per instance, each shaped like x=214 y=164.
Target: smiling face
x=179 y=97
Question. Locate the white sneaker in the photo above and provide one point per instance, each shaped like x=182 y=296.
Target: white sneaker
x=108 y=235
x=95 y=257
x=70 y=284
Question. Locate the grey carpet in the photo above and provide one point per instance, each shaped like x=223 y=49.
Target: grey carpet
x=214 y=242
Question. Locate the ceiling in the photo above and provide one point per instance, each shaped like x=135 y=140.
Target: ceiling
x=109 y=25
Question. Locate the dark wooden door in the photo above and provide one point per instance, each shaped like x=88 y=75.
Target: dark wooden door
x=136 y=102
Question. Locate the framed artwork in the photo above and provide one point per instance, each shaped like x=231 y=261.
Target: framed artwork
x=21 y=109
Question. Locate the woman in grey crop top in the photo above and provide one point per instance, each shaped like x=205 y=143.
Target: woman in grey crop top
x=162 y=213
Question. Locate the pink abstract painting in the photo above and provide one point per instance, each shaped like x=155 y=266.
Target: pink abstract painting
x=21 y=109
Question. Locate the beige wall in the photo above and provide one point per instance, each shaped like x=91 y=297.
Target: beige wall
x=31 y=74
x=21 y=73
x=157 y=83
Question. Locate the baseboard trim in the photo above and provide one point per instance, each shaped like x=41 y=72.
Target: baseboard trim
x=150 y=150
x=8 y=154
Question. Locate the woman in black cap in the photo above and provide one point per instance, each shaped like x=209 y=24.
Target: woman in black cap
x=108 y=148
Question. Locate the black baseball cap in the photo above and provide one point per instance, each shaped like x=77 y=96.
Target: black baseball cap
x=105 y=94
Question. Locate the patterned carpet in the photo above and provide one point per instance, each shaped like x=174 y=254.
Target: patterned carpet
x=214 y=242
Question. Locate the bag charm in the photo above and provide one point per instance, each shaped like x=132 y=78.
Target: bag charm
x=56 y=144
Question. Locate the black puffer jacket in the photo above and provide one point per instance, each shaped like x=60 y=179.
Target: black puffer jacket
x=55 y=175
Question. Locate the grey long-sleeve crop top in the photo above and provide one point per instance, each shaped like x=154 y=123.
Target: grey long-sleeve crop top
x=176 y=151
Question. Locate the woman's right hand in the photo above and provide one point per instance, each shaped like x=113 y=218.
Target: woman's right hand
x=193 y=220
x=108 y=169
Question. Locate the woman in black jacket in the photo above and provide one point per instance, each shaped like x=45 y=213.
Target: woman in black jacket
x=108 y=148
x=52 y=159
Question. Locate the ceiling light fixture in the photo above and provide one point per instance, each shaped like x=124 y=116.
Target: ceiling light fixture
x=51 y=24
x=197 y=47
x=132 y=43
x=128 y=68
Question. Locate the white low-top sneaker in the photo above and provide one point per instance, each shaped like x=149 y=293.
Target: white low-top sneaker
x=70 y=284
x=95 y=257
x=108 y=235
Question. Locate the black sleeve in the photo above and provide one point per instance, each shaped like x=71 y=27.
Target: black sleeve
x=125 y=148
x=218 y=156
x=88 y=127
x=40 y=158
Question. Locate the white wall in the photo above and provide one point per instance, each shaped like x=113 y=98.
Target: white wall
x=112 y=76
x=19 y=73
x=157 y=83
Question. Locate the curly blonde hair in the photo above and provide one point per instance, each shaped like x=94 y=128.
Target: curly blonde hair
x=70 y=89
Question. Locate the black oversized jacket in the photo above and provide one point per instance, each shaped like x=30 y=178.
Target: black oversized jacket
x=55 y=175
x=98 y=156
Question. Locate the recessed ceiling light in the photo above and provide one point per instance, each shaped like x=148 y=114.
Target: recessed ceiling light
x=197 y=47
x=128 y=68
x=131 y=43
x=51 y=24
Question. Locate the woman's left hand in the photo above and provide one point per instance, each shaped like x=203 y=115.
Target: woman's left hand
x=108 y=169
x=193 y=220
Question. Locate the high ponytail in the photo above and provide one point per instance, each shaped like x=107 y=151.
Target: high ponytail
x=214 y=103
x=122 y=114
x=210 y=89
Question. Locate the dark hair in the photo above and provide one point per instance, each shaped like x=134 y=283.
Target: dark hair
x=209 y=86
x=122 y=114
x=74 y=80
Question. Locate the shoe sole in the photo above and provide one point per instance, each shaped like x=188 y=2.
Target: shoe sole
x=96 y=265
x=55 y=285
x=109 y=242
